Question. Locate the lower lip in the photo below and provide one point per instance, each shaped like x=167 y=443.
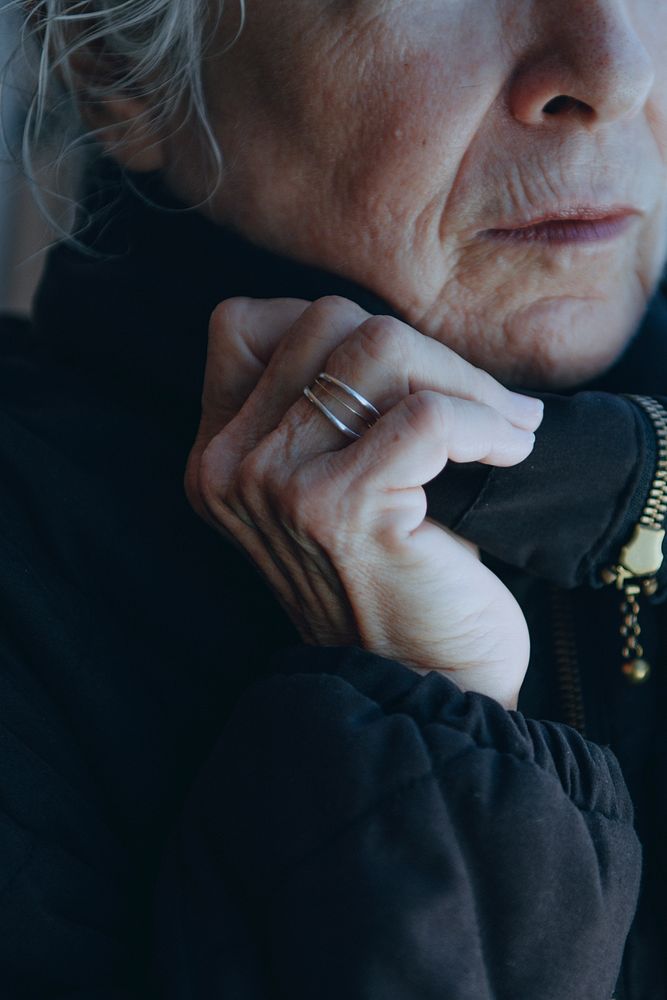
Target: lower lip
x=563 y=231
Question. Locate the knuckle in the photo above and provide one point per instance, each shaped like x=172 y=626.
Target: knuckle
x=206 y=490
x=384 y=340
x=216 y=466
x=428 y=412
x=322 y=320
x=227 y=316
x=262 y=482
x=300 y=500
x=322 y=311
x=307 y=504
x=254 y=479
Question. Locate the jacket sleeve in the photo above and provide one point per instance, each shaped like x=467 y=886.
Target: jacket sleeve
x=364 y=832
x=586 y=481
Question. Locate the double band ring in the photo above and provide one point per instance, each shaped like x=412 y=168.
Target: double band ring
x=327 y=391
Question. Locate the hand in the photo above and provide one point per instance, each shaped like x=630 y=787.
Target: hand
x=339 y=529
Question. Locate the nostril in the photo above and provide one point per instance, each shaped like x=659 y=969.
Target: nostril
x=561 y=105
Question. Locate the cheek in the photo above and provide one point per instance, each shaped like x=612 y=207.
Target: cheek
x=650 y=20
x=392 y=104
x=405 y=135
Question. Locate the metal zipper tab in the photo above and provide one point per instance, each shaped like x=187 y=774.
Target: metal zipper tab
x=641 y=557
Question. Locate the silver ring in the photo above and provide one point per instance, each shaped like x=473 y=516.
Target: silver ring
x=369 y=414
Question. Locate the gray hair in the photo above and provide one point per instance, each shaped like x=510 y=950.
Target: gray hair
x=150 y=49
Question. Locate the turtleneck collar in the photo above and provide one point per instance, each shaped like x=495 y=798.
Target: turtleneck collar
x=129 y=302
x=131 y=298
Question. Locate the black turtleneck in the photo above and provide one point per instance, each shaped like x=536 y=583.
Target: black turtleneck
x=174 y=266
x=192 y=804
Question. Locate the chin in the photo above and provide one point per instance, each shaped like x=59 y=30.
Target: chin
x=563 y=343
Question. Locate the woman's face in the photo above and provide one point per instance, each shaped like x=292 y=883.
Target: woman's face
x=407 y=144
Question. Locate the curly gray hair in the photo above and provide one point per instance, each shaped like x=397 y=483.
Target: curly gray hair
x=149 y=49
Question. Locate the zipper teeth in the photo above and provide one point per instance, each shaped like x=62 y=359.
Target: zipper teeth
x=655 y=510
x=567 y=662
x=568 y=674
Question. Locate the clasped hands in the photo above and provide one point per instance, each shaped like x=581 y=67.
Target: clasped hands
x=339 y=529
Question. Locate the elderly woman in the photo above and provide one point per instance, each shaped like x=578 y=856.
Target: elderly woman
x=289 y=747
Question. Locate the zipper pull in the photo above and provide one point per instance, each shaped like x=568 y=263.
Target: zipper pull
x=634 y=667
x=641 y=557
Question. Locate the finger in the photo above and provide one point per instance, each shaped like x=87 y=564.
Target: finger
x=298 y=358
x=385 y=360
x=228 y=431
x=375 y=485
x=405 y=449
x=382 y=358
x=413 y=442
x=472 y=431
x=243 y=335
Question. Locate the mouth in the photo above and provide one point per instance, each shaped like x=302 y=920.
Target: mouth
x=571 y=225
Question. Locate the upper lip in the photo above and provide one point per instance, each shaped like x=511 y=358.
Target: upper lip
x=571 y=213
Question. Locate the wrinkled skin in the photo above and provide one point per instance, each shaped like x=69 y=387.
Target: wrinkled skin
x=339 y=529
x=380 y=138
x=384 y=140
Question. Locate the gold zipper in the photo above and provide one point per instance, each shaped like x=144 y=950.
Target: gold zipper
x=641 y=557
x=634 y=574
x=568 y=674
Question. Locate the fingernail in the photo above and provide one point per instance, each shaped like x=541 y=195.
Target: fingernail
x=530 y=409
x=522 y=436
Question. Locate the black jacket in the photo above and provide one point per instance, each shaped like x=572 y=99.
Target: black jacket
x=192 y=804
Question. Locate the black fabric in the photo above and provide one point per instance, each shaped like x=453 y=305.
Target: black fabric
x=191 y=803
x=564 y=512
x=426 y=844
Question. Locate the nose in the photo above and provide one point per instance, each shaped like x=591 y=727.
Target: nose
x=589 y=63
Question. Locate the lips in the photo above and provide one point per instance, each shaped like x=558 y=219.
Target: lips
x=571 y=225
